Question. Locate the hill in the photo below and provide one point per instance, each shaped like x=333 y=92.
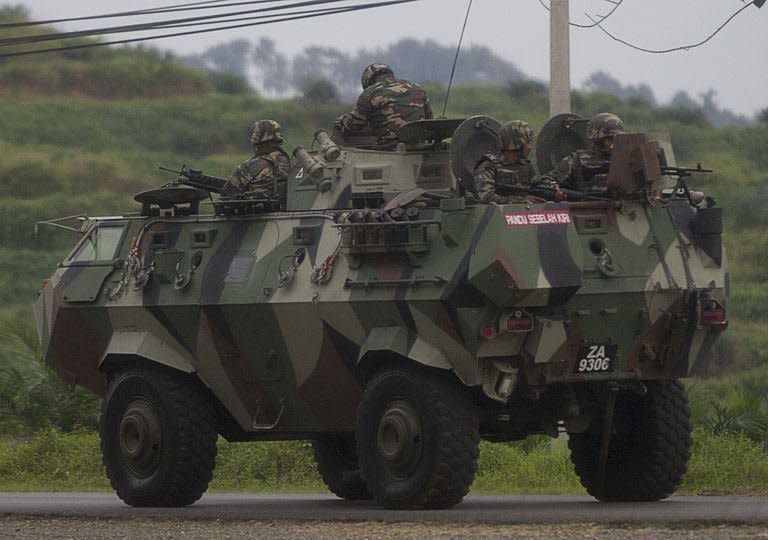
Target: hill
x=100 y=72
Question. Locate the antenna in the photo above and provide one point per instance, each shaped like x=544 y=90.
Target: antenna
x=455 y=59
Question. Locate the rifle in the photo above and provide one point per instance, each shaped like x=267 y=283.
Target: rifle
x=196 y=178
x=548 y=193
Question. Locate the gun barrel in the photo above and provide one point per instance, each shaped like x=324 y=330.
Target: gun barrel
x=684 y=171
x=208 y=183
x=197 y=179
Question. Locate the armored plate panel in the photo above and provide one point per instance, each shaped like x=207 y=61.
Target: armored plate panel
x=475 y=137
x=635 y=162
x=561 y=135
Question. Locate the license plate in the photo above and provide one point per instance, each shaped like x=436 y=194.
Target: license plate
x=595 y=358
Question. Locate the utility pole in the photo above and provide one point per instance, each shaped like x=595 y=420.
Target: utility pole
x=559 y=58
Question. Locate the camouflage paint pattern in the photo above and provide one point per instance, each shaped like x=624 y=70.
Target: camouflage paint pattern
x=387 y=105
x=282 y=314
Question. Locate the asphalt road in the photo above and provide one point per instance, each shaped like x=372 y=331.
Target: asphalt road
x=475 y=509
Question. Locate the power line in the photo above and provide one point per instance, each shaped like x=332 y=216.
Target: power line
x=149 y=11
x=36 y=38
x=315 y=13
x=674 y=49
x=616 y=4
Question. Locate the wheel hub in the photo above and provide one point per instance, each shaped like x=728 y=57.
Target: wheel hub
x=139 y=438
x=399 y=438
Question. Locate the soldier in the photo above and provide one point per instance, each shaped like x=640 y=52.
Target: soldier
x=582 y=170
x=265 y=174
x=511 y=167
x=386 y=104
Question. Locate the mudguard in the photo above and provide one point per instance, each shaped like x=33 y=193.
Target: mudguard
x=148 y=346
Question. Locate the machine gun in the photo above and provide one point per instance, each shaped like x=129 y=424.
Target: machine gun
x=682 y=172
x=681 y=189
x=197 y=179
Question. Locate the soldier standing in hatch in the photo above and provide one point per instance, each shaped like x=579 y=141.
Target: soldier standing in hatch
x=386 y=104
x=510 y=167
x=582 y=170
x=265 y=174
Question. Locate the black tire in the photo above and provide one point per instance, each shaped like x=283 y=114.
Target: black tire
x=158 y=437
x=649 y=448
x=417 y=440
x=336 y=457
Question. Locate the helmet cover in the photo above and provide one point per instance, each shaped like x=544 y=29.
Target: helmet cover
x=515 y=134
x=373 y=71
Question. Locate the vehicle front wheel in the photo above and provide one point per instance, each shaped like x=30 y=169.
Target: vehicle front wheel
x=158 y=437
x=417 y=439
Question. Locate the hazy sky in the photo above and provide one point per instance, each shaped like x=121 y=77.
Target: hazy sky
x=732 y=63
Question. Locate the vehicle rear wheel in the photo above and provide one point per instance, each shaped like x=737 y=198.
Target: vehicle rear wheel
x=649 y=448
x=158 y=437
x=336 y=457
x=417 y=440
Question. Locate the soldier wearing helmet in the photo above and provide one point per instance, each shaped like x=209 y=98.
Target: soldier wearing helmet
x=586 y=170
x=265 y=174
x=386 y=104
x=509 y=168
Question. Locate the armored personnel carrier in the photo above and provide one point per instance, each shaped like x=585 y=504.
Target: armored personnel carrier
x=386 y=315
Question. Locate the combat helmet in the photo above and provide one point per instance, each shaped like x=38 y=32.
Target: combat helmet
x=515 y=134
x=266 y=131
x=371 y=72
x=604 y=125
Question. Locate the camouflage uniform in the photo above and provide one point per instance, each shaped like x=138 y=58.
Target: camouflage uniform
x=266 y=172
x=491 y=171
x=586 y=170
x=386 y=104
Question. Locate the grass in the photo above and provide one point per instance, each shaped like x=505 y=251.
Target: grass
x=726 y=464
x=55 y=461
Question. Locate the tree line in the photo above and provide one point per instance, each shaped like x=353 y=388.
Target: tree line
x=328 y=73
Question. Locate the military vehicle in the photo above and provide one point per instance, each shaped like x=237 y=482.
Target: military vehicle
x=386 y=315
